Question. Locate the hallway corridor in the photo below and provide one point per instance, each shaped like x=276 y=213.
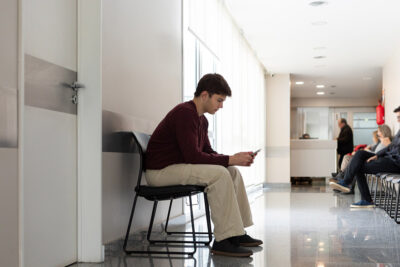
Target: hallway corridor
x=302 y=226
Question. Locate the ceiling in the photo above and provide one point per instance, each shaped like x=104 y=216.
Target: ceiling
x=355 y=38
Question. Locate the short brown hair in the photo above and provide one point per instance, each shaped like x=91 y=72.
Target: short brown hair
x=213 y=83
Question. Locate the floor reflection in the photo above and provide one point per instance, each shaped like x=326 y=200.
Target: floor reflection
x=300 y=226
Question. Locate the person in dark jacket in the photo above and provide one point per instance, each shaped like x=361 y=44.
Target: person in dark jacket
x=345 y=140
x=364 y=162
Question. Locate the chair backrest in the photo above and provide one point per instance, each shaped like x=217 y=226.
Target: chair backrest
x=141 y=141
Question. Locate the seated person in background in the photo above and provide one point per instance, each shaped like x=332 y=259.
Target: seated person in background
x=179 y=153
x=381 y=138
x=347 y=157
x=385 y=138
x=364 y=162
x=375 y=142
x=384 y=134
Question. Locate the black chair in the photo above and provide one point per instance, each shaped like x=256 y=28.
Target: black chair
x=170 y=193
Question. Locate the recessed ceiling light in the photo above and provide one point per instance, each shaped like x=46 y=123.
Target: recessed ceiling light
x=300 y=82
x=318 y=3
x=319 y=57
x=320 y=86
x=319 y=48
x=367 y=78
x=319 y=23
x=320 y=93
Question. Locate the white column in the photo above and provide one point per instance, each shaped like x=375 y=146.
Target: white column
x=90 y=248
x=278 y=129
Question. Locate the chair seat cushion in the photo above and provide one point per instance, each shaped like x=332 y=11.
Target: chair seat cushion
x=168 y=192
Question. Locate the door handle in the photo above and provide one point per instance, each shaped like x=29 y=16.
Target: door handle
x=75 y=86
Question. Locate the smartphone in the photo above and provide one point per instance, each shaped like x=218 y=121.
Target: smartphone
x=255 y=152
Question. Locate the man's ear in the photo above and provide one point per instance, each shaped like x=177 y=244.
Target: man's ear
x=204 y=95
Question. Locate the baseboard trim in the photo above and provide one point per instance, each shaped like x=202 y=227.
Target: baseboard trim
x=276 y=185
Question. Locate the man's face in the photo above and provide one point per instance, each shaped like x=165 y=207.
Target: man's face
x=340 y=124
x=214 y=103
x=398 y=116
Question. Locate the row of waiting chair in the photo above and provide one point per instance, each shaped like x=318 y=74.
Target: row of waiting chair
x=385 y=191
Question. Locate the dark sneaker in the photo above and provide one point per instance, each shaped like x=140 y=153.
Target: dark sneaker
x=334 y=174
x=228 y=248
x=341 y=186
x=362 y=204
x=245 y=241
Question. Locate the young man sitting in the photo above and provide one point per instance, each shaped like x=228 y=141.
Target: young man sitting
x=386 y=160
x=179 y=152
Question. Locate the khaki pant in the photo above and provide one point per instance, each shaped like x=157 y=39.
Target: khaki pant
x=345 y=162
x=230 y=209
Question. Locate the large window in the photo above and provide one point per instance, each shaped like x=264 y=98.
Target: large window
x=213 y=43
x=199 y=60
x=316 y=121
x=364 y=123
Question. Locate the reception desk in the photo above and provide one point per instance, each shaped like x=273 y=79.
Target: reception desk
x=312 y=157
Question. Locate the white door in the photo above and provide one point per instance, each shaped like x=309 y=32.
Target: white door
x=50 y=133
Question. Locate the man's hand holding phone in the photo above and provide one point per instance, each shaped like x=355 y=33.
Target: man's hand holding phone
x=243 y=158
x=255 y=152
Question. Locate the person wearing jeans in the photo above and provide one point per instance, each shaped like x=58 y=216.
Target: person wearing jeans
x=364 y=162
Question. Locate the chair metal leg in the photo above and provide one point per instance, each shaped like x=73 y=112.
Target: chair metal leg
x=209 y=233
x=385 y=194
x=130 y=223
x=193 y=230
x=207 y=208
x=169 y=213
x=380 y=193
x=153 y=214
x=393 y=195
x=148 y=236
x=397 y=205
x=375 y=178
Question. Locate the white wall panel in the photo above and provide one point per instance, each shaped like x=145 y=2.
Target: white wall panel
x=50 y=189
x=142 y=80
x=391 y=84
x=142 y=57
x=9 y=207
x=50 y=31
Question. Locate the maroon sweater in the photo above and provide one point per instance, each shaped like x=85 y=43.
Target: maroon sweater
x=181 y=137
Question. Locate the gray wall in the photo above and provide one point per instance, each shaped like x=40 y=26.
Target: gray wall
x=142 y=81
x=9 y=248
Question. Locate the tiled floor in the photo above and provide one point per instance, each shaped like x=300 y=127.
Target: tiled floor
x=301 y=226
